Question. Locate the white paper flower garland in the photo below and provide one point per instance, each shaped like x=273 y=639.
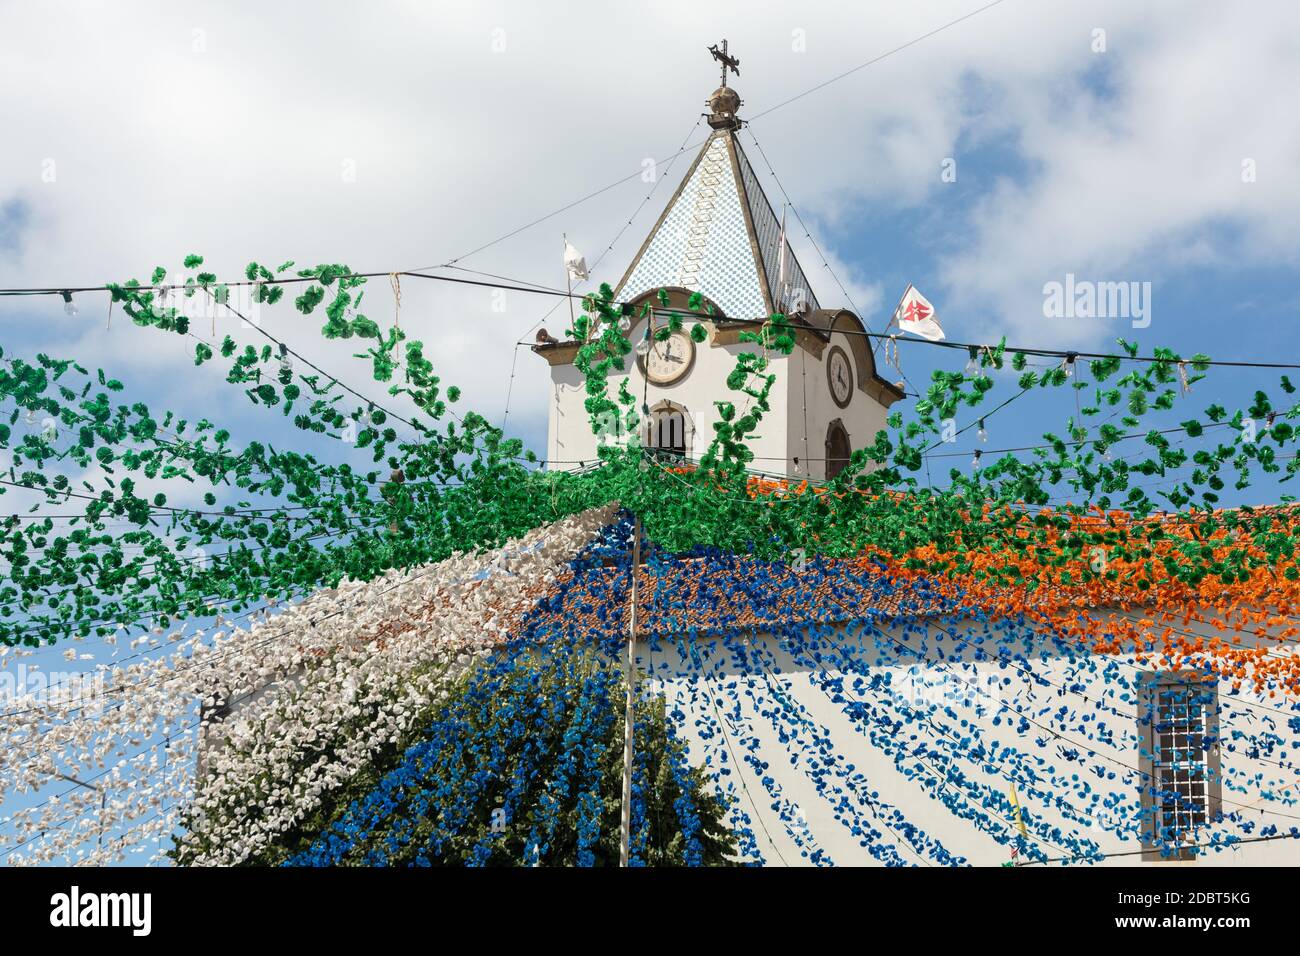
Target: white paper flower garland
x=313 y=691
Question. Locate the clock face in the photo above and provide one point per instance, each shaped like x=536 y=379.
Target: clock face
x=839 y=374
x=669 y=361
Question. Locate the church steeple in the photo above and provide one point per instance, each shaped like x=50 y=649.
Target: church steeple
x=719 y=234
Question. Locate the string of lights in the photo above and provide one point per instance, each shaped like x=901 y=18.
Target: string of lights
x=976 y=349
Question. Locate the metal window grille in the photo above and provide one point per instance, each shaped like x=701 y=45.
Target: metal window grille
x=1181 y=715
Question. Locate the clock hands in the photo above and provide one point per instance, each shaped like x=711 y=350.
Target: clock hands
x=658 y=360
x=668 y=355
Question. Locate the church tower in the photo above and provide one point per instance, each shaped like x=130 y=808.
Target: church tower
x=719 y=236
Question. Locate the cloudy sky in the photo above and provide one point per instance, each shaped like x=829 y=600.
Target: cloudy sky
x=1117 y=142
x=1110 y=140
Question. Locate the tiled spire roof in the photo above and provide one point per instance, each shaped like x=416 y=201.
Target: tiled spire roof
x=720 y=236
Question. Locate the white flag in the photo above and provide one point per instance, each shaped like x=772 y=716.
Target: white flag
x=574 y=262
x=916 y=315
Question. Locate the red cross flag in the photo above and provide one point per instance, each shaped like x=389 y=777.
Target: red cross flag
x=916 y=315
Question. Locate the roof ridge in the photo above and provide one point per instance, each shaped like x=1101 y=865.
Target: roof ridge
x=766 y=229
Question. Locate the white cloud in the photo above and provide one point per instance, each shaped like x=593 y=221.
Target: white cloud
x=1147 y=181
x=237 y=151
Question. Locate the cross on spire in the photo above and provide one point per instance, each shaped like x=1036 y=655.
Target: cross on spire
x=728 y=62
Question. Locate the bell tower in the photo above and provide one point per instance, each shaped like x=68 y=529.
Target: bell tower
x=719 y=238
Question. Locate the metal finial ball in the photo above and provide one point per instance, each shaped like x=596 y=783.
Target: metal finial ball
x=724 y=100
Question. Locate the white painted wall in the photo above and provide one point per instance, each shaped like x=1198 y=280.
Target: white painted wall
x=800 y=382
x=863 y=417
x=706 y=683
x=570 y=436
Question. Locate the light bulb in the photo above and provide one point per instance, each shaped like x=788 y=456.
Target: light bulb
x=31 y=416
x=1068 y=364
x=975 y=462
x=1106 y=454
x=982 y=433
x=286 y=363
x=972 y=364
x=68 y=305
x=624 y=324
x=643 y=347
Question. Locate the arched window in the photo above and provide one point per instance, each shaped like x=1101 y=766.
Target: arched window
x=668 y=430
x=838 y=449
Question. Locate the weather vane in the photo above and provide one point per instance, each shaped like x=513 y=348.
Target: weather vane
x=728 y=62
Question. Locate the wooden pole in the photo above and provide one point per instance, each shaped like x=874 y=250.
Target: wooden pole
x=625 y=830
x=103 y=800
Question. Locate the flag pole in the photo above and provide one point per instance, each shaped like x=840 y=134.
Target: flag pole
x=568 y=278
x=784 y=262
x=894 y=317
x=625 y=827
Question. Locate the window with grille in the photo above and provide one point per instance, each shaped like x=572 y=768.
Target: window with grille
x=1181 y=791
